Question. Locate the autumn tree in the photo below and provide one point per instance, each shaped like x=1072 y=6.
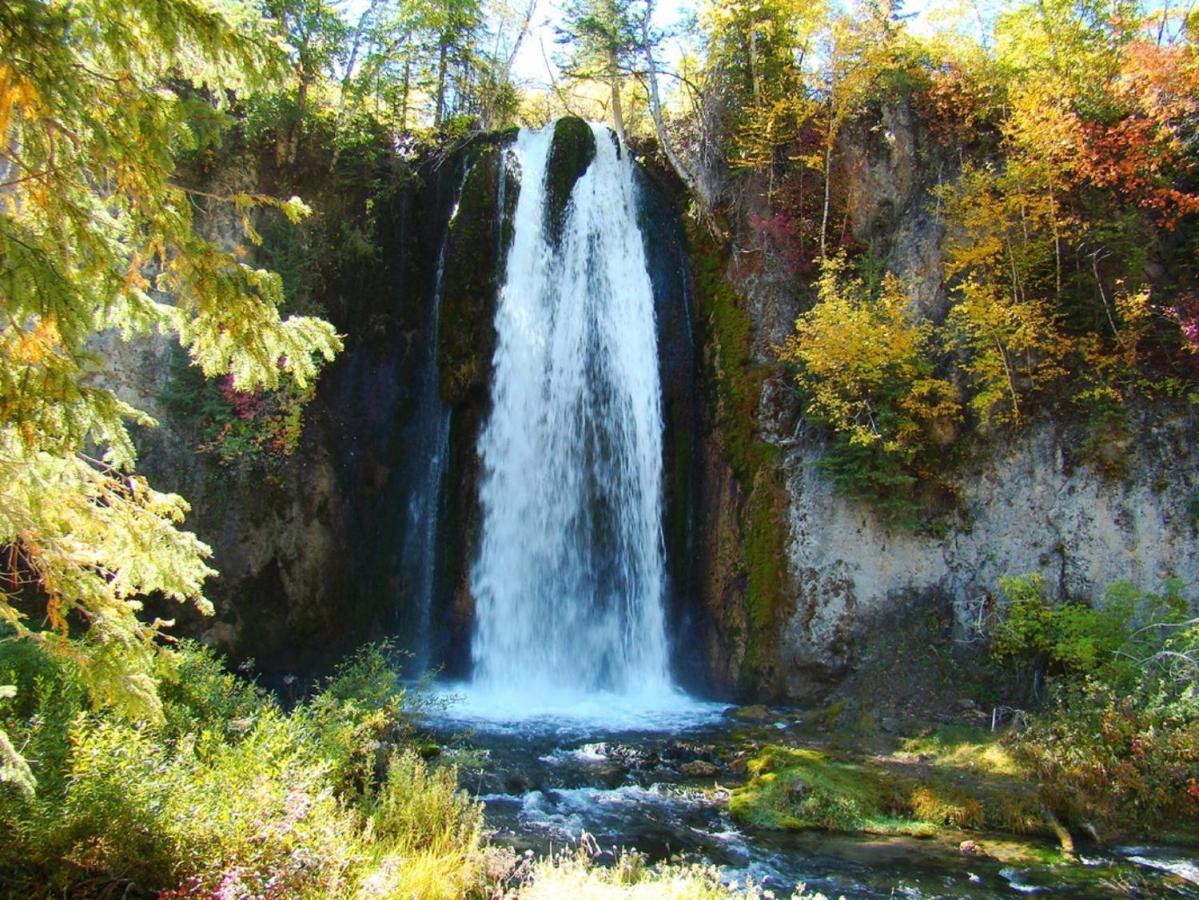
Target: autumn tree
x=866 y=363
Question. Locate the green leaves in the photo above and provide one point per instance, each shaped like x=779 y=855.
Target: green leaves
x=13 y=769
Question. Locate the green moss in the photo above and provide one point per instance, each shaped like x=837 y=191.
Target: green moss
x=764 y=550
x=799 y=789
x=736 y=380
x=963 y=746
x=476 y=248
x=571 y=152
x=736 y=376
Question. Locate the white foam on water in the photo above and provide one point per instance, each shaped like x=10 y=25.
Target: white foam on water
x=575 y=713
x=1186 y=869
x=587 y=754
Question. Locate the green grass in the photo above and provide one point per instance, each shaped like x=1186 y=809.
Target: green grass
x=963 y=746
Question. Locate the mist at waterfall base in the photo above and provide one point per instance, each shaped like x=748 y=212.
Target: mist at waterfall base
x=569 y=582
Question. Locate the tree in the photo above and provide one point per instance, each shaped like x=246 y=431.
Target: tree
x=604 y=37
x=97 y=238
x=648 y=40
x=402 y=52
x=455 y=24
x=865 y=361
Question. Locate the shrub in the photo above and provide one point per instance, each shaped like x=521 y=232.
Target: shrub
x=230 y=793
x=1118 y=744
x=1121 y=762
x=1106 y=640
x=574 y=874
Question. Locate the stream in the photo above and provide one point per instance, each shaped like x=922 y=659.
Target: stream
x=547 y=779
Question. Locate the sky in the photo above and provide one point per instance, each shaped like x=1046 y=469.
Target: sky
x=923 y=17
x=530 y=65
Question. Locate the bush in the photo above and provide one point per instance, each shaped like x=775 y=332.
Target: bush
x=1117 y=746
x=1106 y=640
x=574 y=874
x=1123 y=763
x=231 y=792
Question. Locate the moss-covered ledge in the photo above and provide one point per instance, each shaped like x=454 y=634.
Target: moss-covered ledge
x=571 y=152
x=475 y=256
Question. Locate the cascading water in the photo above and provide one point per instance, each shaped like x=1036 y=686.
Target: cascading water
x=570 y=575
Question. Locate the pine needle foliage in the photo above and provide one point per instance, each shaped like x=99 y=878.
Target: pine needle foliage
x=97 y=238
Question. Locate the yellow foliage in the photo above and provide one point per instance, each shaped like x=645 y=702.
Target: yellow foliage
x=864 y=359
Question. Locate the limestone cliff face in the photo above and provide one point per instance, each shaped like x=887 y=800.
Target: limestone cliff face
x=1029 y=503
x=1028 y=506
x=889 y=168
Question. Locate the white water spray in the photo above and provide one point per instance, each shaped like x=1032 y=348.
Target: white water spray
x=569 y=582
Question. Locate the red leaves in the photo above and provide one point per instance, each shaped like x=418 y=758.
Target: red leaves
x=246 y=405
x=1137 y=151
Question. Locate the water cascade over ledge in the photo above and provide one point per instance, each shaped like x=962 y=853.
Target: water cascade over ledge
x=569 y=581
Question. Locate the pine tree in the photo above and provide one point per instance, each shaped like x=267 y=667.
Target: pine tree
x=603 y=35
x=97 y=98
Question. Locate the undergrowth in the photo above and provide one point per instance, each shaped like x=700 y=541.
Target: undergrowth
x=229 y=794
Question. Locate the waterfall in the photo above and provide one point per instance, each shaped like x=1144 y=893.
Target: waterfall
x=430 y=447
x=570 y=575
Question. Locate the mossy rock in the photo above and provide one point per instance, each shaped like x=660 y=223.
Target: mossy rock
x=799 y=788
x=475 y=256
x=571 y=152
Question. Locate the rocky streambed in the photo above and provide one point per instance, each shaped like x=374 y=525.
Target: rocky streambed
x=681 y=789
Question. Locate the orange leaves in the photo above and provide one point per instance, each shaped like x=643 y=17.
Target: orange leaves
x=1131 y=142
x=31 y=346
x=956 y=103
x=134 y=279
x=18 y=95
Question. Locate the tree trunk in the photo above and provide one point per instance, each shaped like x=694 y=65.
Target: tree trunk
x=404 y=95
x=694 y=187
x=614 y=83
x=442 y=53
x=828 y=166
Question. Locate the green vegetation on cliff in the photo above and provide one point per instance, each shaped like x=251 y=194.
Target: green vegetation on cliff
x=1053 y=171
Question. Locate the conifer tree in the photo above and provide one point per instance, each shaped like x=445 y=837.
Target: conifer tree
x=97 y=98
